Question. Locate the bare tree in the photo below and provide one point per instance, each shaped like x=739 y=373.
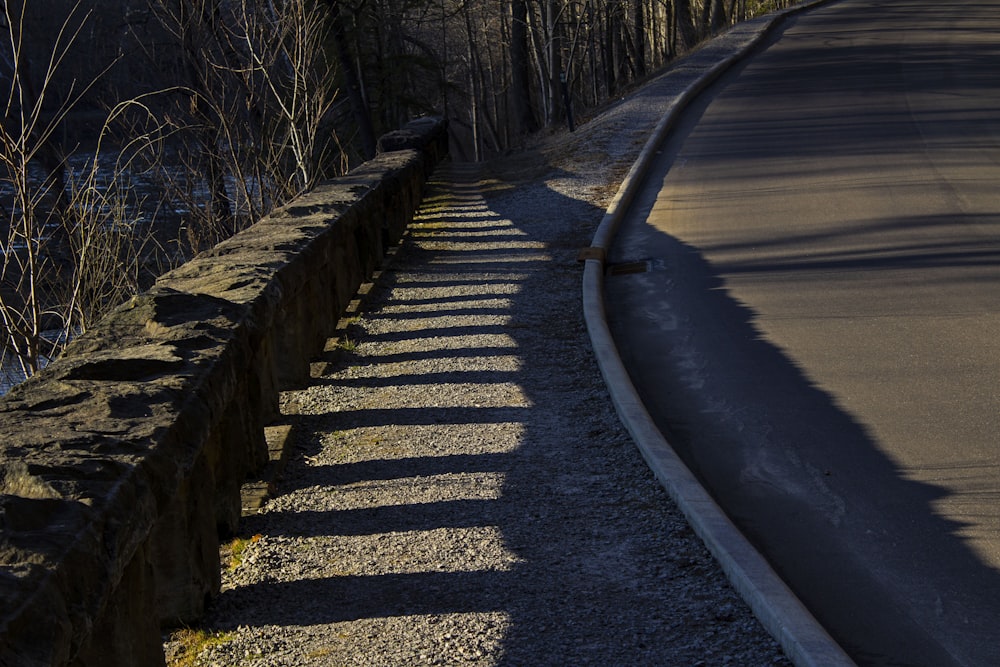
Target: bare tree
x=113 y=236
x=32 y=171
x=288 y=66
x=254 y=113
x=67 y=239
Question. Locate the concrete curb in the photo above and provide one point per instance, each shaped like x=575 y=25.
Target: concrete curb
x=782 y=614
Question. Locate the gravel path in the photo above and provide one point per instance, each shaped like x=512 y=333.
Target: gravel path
x=462 y=491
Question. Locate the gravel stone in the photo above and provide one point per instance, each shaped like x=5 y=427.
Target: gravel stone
x=461 y=491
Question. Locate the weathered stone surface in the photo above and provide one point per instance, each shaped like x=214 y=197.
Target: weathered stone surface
x=121 y=463
x=420 y=134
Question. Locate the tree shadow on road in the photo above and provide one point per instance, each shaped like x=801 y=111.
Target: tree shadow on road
x=857 y=537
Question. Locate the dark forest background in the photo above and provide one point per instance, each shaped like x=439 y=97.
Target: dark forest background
x=138 y=132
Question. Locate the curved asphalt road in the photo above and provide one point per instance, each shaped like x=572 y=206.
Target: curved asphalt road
x=818 y=328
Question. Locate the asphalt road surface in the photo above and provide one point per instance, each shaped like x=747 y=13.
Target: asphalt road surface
x=807 y=295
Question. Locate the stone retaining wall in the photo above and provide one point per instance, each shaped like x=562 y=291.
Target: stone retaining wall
x=121 y=464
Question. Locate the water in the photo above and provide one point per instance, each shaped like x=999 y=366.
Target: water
x=10 y=375
x=139 y=199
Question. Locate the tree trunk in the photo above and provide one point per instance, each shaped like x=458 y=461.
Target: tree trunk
x=554 y=59
x=473 y=67
x=595 y=87
x=541 y=62
x=719 y=16
x=608 y=50
x=359 y=109
x=520 y=68
x=685 y=25
x=640 y=39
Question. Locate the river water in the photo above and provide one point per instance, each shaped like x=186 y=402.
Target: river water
x=148 y=207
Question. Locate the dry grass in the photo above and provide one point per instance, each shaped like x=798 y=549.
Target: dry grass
x=189 y=643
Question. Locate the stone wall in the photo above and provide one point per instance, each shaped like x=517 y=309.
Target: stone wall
x=121 y=463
